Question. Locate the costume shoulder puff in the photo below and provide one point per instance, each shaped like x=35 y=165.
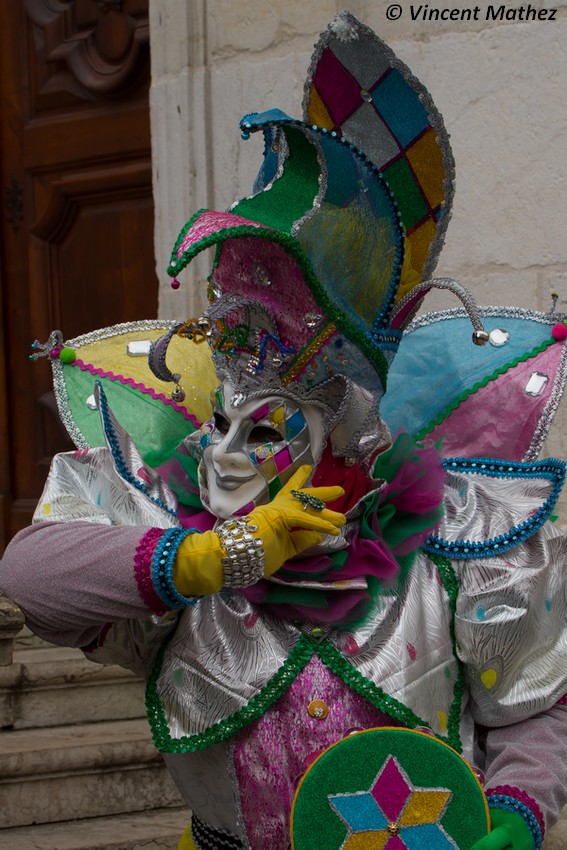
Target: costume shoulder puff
x=511 y=629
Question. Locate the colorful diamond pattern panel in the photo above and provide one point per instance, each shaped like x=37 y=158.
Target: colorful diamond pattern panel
x=359 y=91
x=394 y=814
x=400 y=108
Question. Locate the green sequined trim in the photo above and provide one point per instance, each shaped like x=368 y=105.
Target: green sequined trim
x=479 y=385
x=332 y=658
x=258 y=705
x=360 y=339
x=292 y=194
x=283 y=679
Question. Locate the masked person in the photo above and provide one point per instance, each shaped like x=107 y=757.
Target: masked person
x=288 y=572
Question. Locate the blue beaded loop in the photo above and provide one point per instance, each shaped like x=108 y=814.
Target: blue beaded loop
x=552 y=469
x=121 y=465
x=503 y=801
x=163 y=561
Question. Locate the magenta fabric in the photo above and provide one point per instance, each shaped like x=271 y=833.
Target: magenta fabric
x=202 y=521
x=392 y=792
x=209 y=222
x=283 y=743
x=478 y=428
x=142 y=570
x=338 y=89
x=395 y=519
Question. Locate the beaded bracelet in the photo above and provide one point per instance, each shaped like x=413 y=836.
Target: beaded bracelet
x=244 y=561
x=162 y=568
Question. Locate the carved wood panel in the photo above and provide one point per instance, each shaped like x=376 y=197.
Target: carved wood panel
x=86 y=49
x=77 y=223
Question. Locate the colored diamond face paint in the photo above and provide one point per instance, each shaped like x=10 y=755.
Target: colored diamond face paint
x=252 y=450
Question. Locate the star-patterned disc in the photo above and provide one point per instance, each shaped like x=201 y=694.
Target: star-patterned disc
x=393 y=813
x=389 y=789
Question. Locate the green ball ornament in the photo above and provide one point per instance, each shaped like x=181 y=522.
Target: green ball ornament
x=67 y=355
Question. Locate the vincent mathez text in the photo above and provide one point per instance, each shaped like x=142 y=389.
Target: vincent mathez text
x=475 y=13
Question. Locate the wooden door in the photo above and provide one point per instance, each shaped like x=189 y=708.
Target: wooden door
x=77 y=223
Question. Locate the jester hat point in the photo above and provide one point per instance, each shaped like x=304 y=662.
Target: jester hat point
x=320 y=268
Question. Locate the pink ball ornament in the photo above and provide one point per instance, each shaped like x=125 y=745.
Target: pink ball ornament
x=559 y=332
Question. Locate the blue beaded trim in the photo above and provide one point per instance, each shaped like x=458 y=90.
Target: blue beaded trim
x=121 y=465
x=552 y=469
x=163 y=561
x=502 y=801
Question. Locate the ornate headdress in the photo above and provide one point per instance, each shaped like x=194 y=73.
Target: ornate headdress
x=316 y=275
x=317 y=272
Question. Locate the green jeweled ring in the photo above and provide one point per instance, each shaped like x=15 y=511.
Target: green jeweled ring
x=308 y=501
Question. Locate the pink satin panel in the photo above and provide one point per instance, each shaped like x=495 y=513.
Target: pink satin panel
x=499 y=420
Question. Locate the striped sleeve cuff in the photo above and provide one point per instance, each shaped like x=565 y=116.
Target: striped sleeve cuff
x=153 y=568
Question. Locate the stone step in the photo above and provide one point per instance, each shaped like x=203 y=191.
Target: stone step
x=53 y=686
x=155 y=830
x=11 y=624
x=71 y=772
x=27 y=640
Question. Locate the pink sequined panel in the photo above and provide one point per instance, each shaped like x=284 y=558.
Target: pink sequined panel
x=271 y=755
x=142 y=567
x=210 y=222
x=287 y=297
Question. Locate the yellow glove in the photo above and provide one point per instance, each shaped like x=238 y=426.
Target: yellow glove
x=286 y=528
x=283 y=526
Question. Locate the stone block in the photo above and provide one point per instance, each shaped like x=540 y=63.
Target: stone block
x=507 y=118
x=72 y=772
x=238 y=88
x=177 y=36
x=158 y=829
x=55 y=686
x=11 y=623
x=258 y=27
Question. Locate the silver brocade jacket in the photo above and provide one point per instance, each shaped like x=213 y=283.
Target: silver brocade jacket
x=476 y=636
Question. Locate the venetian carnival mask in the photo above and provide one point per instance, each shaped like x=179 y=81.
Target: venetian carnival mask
x=250 y=451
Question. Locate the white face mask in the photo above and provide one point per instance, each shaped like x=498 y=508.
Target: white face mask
x=251 y=451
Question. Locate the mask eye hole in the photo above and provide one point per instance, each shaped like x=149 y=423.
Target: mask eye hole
x=222 y=425
x=264 y=434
